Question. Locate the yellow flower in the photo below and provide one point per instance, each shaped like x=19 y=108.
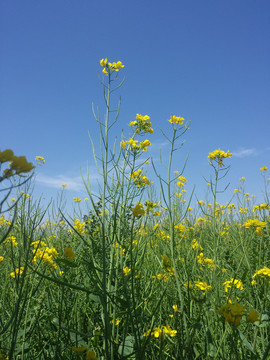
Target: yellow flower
x=40 y=159
x=115 y=66
x=116 y=322
x=126 y=270
x=103 y=62
x=264 y=273
x=219 y=155
x=176 y=120
x=17 y=272
x=64 y=185
x=104 y=71
x=144 y=144
x=1 y=258
x=77 y=199
x=138 y=210
x=237 y=283
x=202 y=285
x=264 y=168
x=157 y=332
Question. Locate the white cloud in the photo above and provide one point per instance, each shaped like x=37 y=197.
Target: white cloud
x=244 y=153
x=74 y=183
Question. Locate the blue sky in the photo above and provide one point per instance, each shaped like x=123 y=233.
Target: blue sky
x=207 y=61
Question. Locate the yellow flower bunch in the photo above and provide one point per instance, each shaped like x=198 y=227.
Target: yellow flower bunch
x=139 y=179
x=149 y=206
x=219 y=155
x=202 y=285
x=159 y=332
x=142 y=123
x=79 y=227
x=237 y=283
x=176 y=120
x=46 y=254
x=264 y=273
x=264 y=168
x=115 y=66
x=181 y=181
x=40 y=160
x=144 y=145
x=138 y=210
x=261 y=207
x=133 y=145
x=17 y=272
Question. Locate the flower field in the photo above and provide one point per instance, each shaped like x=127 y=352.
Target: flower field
x=141 y=275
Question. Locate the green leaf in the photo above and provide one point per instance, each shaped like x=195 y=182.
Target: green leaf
x=245 y=342
x=127 y=347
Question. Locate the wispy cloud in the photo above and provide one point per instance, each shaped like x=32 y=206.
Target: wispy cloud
x=244 y=153
x=74 y=183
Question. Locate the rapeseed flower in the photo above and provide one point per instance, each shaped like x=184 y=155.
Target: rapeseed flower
x=176 y=120
x=202 y=285
x=264 y=273
x=142 y=123
x=237 y=283
x=17 y=272
x=138 y=210
x=219 y=155
x=126 y=270
x=264 y=168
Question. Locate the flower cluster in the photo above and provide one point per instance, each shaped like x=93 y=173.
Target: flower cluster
x=237 y=283
x=79 y=226
x=107 y=66
x=218 y=156
x=40 y=160
x=264 y=273
x=142 y=123
x=17 y=272
x=202 y=285
x=139 y=179
x=134 y=146
x=261 y=207
x=176 y=120
x=44 y=253
x=158 y=332
x=138 y=210
x=255 y=223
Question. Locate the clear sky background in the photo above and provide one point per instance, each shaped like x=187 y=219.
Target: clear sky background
x=205 y=60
